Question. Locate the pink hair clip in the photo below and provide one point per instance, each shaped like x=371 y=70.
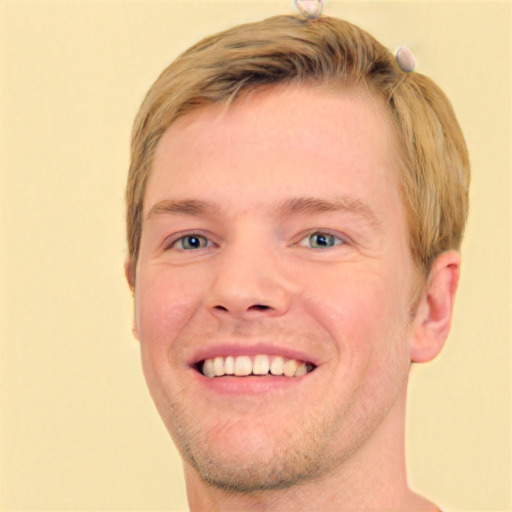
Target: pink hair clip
x=311 y=9
x=405 y=59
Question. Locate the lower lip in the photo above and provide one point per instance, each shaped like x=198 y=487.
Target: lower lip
x=252 y=385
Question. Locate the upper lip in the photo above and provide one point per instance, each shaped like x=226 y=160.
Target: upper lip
x=248 y=349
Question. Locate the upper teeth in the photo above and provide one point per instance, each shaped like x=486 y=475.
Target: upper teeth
x=254 y=365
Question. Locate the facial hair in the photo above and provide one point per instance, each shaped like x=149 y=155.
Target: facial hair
x=240 y=451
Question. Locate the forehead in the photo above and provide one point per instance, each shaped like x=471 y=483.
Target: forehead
x=276 y=141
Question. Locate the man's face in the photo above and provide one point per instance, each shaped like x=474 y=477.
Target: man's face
x=275 y=228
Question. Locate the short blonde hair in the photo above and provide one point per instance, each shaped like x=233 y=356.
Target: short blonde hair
x=433 y=161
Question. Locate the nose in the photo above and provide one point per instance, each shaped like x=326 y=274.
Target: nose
x=249 y=283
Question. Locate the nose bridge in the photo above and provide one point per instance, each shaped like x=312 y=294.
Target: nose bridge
x=249 y=278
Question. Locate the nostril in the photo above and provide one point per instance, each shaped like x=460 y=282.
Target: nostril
x=259 y=307
x=235 y=310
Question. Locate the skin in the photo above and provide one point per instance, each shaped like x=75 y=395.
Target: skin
x=333 y=439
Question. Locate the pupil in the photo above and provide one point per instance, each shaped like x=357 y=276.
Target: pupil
x=321 y=240
x=193 y=241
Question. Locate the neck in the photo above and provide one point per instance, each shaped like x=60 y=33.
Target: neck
x=373 y=478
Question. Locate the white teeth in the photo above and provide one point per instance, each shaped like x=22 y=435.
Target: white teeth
x=218 y=366
x=276 y=367
x=243 y=366
x=301 y=370
x=208 y=368
x=261 y=364
x=290 y=367
x=229 y=365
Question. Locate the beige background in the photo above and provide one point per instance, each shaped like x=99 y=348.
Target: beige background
x=78 y=430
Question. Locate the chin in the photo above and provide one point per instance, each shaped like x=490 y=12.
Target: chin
x=244 y=458
x=249 y=471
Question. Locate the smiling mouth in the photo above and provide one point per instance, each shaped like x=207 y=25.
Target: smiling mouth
x=259 y=365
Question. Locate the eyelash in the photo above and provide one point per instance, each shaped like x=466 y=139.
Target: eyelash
x=336 y=240
x=181 y=239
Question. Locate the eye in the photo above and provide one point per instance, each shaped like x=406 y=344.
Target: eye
x=191 y=242
x=320 y=240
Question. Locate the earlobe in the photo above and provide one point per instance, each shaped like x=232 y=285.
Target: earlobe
x=135 y=332
x=129 y=274
x=434 y=312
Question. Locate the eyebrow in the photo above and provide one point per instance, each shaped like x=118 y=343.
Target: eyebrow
x=293 y=206
x=312 y=205
x=192 y=207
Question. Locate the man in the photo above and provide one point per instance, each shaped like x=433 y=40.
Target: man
x=296 y=203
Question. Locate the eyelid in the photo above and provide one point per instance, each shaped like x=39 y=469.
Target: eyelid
x=171 y=241
x=341 y=239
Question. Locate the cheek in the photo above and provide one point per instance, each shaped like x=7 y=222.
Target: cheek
x=364 y=312
x=164 y=303
x=362 y=298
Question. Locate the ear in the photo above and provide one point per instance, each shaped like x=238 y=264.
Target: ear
x=130 y=274
x=130 y=277
x=434 y=313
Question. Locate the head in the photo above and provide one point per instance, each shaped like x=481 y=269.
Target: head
x=260 y=282
x=432 y=159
